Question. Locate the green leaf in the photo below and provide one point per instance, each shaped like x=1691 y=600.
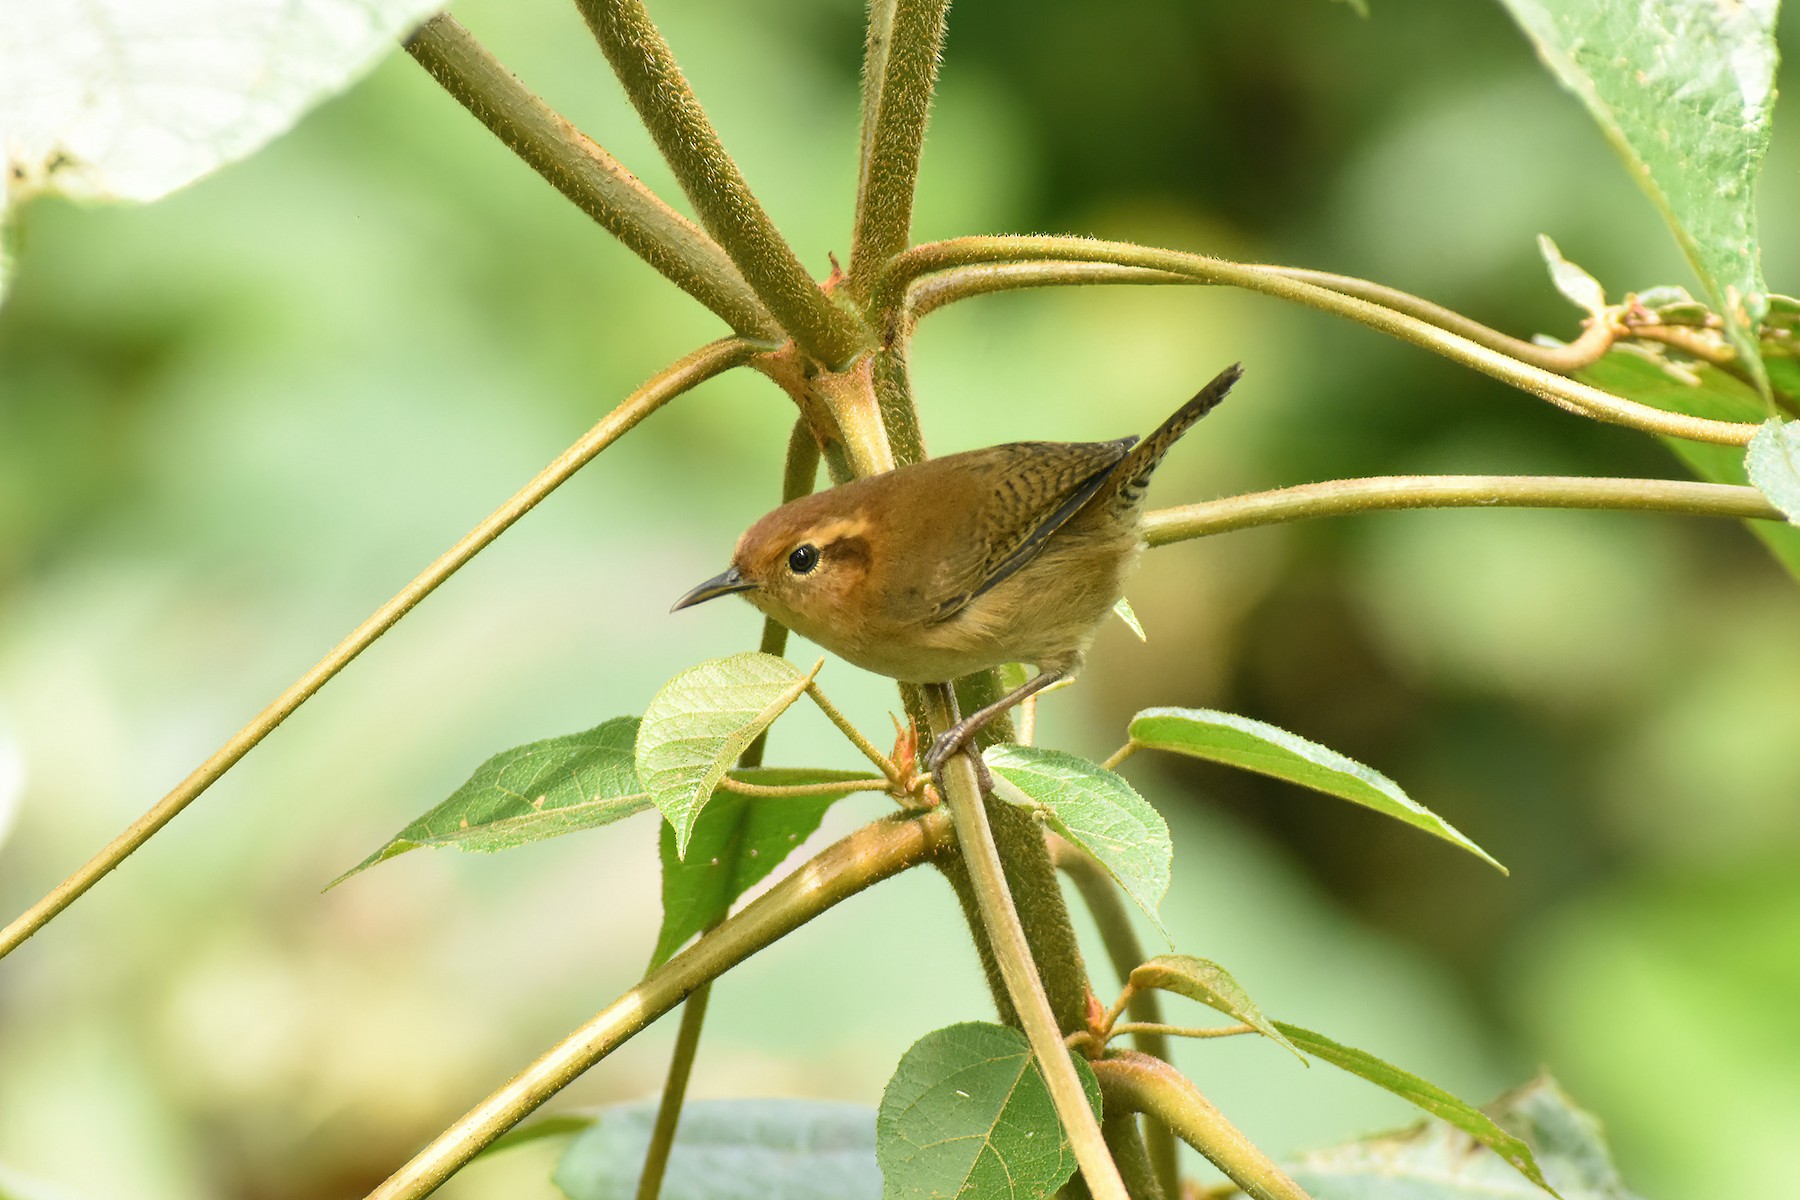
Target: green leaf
x=1773 y=464
x=1684 y=92
x=1095 y=809
x=1212 y=985
x=967 y=1117
x=736 y=842
x=1436 y=1161
x=730 y=1150
x=529 y=793
x=1255 y=746
x=1123 y=609
x=131 y=99
x=1577 y=286
x=1428 y=1096
x=1700 y=390
x=701 y=721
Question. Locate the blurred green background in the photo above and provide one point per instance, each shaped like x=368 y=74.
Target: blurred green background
x=234 y=422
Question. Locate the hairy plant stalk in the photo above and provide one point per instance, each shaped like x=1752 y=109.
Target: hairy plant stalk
x=588 y=175
x=1125 y=952
x=899 y=72
x=669 y=383
x=1342 y=496
x=1136 y=1082
x=932 y=292
x=875 y=852
x=975 y=841
x=730 y=211
x=1584 y=351
x=1579 y=398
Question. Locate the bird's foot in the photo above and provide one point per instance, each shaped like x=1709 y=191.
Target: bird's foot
x=949 y=743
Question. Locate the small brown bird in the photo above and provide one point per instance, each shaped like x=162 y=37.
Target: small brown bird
x=1015 y=553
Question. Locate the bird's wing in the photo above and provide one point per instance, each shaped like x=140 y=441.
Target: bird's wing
x=1033 y=489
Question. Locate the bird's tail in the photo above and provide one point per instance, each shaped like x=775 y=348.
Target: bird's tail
x=1133 y=473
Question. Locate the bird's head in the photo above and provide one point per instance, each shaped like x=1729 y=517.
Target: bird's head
x=805 y=564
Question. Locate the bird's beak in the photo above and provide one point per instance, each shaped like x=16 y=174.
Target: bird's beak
x=722 y=584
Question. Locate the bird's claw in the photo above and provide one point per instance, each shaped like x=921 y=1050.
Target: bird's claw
x=946 y=745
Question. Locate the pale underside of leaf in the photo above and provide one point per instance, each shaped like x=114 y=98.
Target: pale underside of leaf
x=741 y=1149
x=1270 y=750
x=1773 y=464
x=702 y=720
x=1097 y=810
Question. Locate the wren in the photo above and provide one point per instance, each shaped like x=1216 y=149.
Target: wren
x=1015 y=553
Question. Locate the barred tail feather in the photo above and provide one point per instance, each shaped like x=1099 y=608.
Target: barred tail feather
x=1133 y=473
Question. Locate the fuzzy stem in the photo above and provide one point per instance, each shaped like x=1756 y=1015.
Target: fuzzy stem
x=588 y=175
x=864 y=858
x=1579 y=398
x=975 y=842
x=1563 y=360
x=900 y=65
x=932 y=292
x=1341 y=496
x=1125 y=952
x=1138 y=1083
x=671 y=382
x=1183 y=1031
x=783 y=791
x=882 y=762
x=726 y=206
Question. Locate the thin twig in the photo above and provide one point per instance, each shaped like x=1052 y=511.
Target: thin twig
x=1579 y=398
x=588 y=175
x=882 y=762
x=899 y=72
x=1185 y=1031
x=668 y=1109
x=1001 y=920
x=932 y=292
x=1341 y=496
x=681 y=376
x=1129 y=748
x=1585 y=350
x=783 y=791
x=864 y=858
x=723 y=200
x=1138 y=1083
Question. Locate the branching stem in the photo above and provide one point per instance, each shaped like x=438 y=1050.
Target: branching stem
x=726 y=206
x=899 y=72
x=1579 y=398
x=1138 y=1083
x=588 y=175
x=1185 y=1031
x=864 y=858
x=681 y=376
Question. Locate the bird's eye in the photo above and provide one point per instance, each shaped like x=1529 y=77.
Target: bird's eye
x=803 y=559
